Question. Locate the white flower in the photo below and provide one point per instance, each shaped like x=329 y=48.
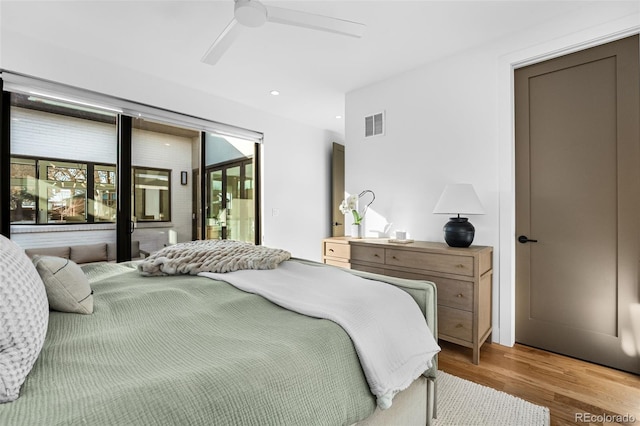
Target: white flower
x=350 y=205
x=344 y=207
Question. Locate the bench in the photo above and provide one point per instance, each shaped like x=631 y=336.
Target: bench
x=87 y=253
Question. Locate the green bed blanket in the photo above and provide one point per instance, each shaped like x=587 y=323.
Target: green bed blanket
x=189 y=350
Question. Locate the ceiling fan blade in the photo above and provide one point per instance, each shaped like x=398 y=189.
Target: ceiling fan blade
x=316 y=22
x=222 y=43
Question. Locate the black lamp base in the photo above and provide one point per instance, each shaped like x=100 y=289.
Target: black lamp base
x=458 y=232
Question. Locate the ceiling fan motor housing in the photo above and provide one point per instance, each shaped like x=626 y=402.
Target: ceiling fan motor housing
x=250 y=13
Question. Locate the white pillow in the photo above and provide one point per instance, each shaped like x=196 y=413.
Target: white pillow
x=67 y=286
x=24 y=316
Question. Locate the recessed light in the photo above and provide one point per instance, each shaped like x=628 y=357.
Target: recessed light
x=274 y=92
x=338 y=117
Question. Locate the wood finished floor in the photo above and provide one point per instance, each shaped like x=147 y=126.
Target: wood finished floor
x=566 y=385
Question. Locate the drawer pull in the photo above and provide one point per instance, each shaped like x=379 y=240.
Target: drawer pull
x=376 y=255
x=331 y=250
x=395 y=258
x=459 y=295
x=459 y=325
x=460 y=265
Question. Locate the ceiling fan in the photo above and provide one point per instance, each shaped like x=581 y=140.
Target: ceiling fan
x=252 y=13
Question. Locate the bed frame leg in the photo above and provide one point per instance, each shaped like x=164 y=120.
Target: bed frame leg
x=432 y=412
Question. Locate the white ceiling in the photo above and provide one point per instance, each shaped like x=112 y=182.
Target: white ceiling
x=313 y=70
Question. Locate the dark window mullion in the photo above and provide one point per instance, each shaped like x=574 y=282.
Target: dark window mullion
x=243 y=177
x=256 y=192
x=224 y=202
x=5 y=162
x=91 y=193
x=37 y=194
x=204 y=185
x=168 y=219
x=123 y=188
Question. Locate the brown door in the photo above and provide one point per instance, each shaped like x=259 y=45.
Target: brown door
x=578 y=195
x=337 y=190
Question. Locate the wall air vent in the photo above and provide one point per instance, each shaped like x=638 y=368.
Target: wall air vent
x=374 y=125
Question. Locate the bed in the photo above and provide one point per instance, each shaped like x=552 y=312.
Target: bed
x=186 y=349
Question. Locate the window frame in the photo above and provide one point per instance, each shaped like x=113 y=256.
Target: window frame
x=242 y=163
x=90 y=189
x=135 y=195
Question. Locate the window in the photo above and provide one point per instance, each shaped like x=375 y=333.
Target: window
x=45 y=191
x=232 y=179
x=232 y=205
x=66 y=191
x=48 y=191
x=104 y=193
x=152 y=201
x=23 y=191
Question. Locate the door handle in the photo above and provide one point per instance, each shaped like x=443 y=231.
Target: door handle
x=524 y=239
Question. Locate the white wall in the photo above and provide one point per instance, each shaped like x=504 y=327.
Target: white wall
x=434 y=135
x=451 y=121
x=295 y=172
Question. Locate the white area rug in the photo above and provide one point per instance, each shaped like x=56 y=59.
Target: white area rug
x=461 y=402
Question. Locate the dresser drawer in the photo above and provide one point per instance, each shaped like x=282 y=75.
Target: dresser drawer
x=407 y=275
x=366 y=268
x=454 y=293
x=337 y=262
x=459 y=265
x=451 y=293
x=367 y=254
x=337 y=250
x=455 y=323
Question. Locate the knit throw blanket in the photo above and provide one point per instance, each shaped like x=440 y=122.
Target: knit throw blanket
x=211 y=256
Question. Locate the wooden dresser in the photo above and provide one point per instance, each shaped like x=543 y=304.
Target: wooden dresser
x=463 y=277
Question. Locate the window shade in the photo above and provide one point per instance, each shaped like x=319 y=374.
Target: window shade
x=30 y=85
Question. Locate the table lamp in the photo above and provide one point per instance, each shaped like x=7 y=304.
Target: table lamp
x=459 y=198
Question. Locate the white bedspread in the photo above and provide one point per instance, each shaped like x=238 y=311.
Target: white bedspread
x=388 y=330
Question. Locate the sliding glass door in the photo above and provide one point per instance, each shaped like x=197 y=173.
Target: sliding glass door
x=231 y=189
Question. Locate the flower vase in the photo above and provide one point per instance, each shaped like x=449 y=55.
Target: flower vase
x=356 y=230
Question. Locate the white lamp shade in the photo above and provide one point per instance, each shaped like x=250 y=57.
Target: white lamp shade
x=459 y=198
